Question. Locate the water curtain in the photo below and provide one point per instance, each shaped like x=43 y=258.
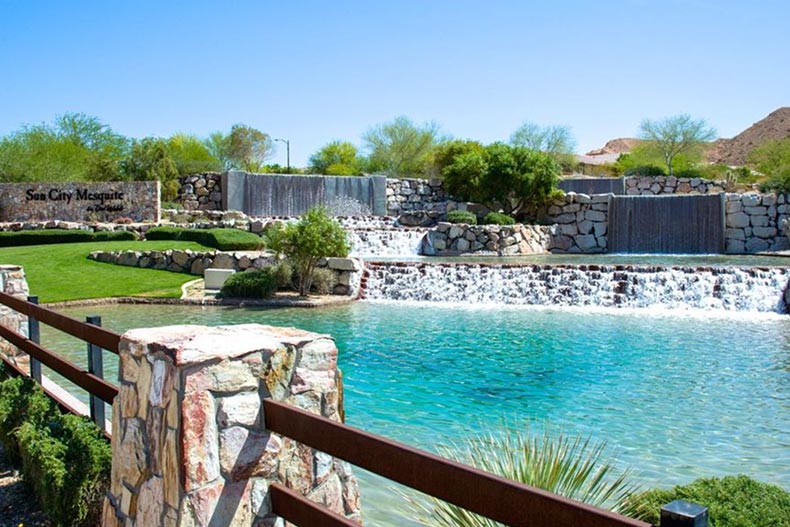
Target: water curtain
x=293 y=195
x=667 y=224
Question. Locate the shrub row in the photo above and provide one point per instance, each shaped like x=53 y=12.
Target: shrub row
x=492 y=218
x=65 y=458
x=222 y=239
x=49 y=236
x=733 y=501
x=262 y=283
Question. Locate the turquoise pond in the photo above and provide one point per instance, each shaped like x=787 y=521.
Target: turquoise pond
x=675 y=396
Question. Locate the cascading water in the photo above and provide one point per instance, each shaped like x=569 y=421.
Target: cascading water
x=287 y=195
x=386 y=242
x=681 y=288
x=666 y=224
x=593 y=185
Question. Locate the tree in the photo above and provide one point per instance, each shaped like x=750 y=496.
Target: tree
x=400 y=148
x=337 y=158
x=679 y=134
x=244 y=148
x=516 y=179
x=555 y=140
x=149 y=160
x=773 y=159
x=316 y=235
x=76 y=147
x=191 y=155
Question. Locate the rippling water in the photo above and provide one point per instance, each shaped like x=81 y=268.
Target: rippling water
x=675 y=396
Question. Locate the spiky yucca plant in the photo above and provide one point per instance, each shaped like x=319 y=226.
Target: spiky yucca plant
x=574 y=467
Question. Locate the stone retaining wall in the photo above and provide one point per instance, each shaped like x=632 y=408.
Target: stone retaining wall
x=190 y=447
x=754 y=223
x=655 y=185
x=347 y=270
x=104 y=201
x=448 y=239
x=582 y=223
x=201 y=191
x=14 y=283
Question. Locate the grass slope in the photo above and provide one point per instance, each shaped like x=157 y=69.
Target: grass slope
x=63 y=272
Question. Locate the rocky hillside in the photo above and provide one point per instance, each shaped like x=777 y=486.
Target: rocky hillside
x=620 y=145
x=736 y=151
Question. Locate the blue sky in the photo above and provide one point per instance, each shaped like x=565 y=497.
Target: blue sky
x=313 y=71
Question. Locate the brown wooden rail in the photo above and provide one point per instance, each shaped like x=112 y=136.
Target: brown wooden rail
x=492 y=496
x=93 y=384
x=95 y=335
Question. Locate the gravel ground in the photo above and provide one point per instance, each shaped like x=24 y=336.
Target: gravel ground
x=18 y=505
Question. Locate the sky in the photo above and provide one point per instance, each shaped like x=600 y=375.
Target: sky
x=315 y=71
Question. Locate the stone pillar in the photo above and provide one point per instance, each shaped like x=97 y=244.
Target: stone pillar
x=13 y=282
x=189 y=445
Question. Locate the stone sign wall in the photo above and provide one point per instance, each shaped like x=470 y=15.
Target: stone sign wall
x=109 y=201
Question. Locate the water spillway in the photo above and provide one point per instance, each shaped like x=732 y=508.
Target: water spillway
x=593 y=185
x=689 y=224
x=619 y=286
x=293 y=195
x=391 y=242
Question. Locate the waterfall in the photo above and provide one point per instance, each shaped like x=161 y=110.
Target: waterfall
x=622 y=286
x=386 y=242
x=689 y=224
x=593 y=185
x=293 y=195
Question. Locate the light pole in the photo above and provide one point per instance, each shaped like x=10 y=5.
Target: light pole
x=287 y=153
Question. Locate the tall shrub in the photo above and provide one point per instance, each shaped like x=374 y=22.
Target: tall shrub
x=316 y=235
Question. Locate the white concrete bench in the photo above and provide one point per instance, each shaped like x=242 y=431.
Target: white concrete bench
x=214 y=278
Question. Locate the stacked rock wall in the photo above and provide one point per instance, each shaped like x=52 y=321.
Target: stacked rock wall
x=409 y=195
x=754 y=222
x=190 y=446
x=14 y=283
x=201 y=191
x=347 y=271
x=448 y=239
x=655 y=185
x=582 y=223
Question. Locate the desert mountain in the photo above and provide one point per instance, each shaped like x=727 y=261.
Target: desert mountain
x=620 y=145
x=735 y=151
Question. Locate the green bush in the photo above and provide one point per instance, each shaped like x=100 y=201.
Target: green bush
x=316 y=235
x=253 y=284
x=50 y=236
x=497 y=218
x=65 y=458
x=222 y=239
x=462 y=216
x=324 y=281
x=645 y=170
x=164 y=233
x=283 y=273
x=734 y=501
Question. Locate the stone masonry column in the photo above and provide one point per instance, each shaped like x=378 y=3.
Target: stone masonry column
x=188 y=441
x=13 y=282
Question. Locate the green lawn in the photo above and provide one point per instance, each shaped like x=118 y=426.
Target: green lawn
x=63 y=272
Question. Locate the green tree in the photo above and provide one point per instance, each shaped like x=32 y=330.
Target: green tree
x=773 y=159
x=149 y=160
x=676 y=135
x=337 y=158
x=244 y=148
x=316 y=235
x=444 y=153
x=400 y=148
x=517 y=180
x=76 y=147
x=555 y=140
x=191 y=155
